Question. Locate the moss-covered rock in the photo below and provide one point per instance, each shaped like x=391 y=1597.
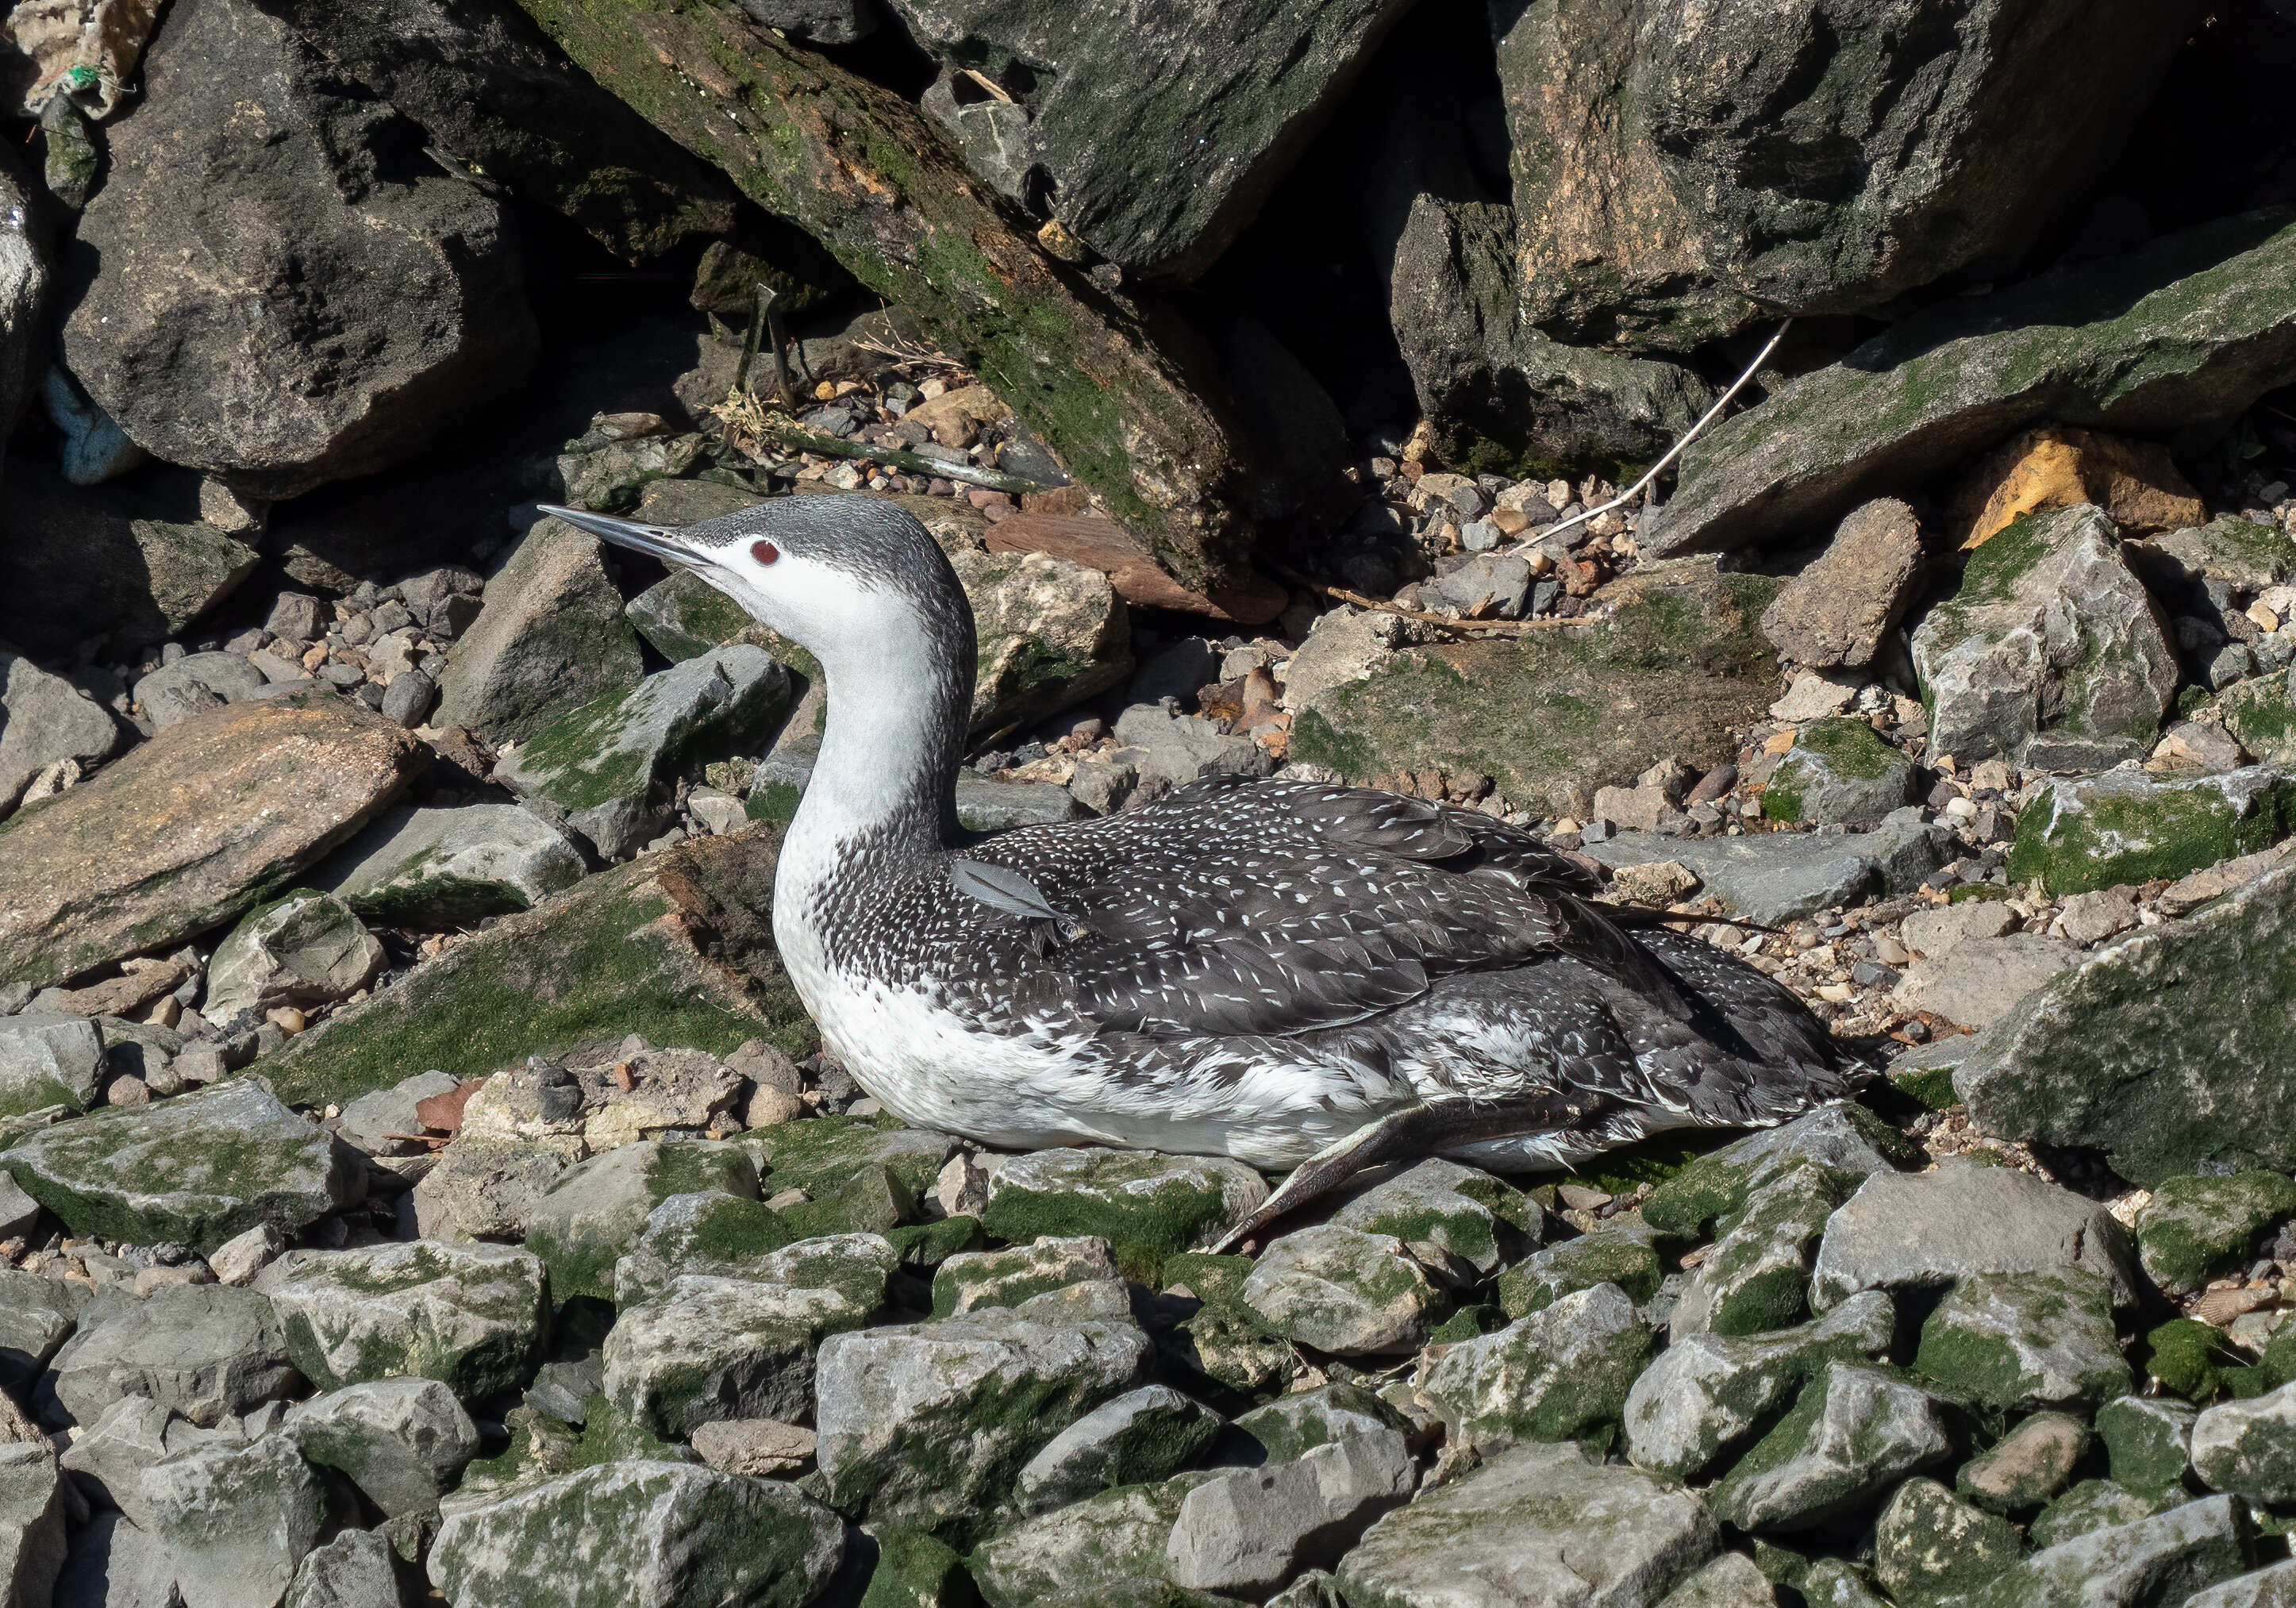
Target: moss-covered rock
x=710 y=1348
x=1297 y=1424
x=1756 y=1277
x=810 y=140
x=2195 y=1229
x=1341 y=1290
x=1006 y=1278
x=2094 y=1505
x=584 y=1222
x=2187 y=1358
x=1143 y=1435
x=195 y=1171
x=706 y=1231
x=678 y=948
x=549 y=637
x=824 y=1153
x=1838 y=771
x=1561 y=1373
x=452 y=867
x=1456 y=1211
x=1855 y=1431
x=2168 y=1050
x=1845 y=1137
x=663 y=1533
x=1929 y=1544
x=1678 y=666
x=469 y=1315
x=1146 y=1206
x=1623 y=1251
x=2126 y=826
x=1105 y=1552
x=2261 y=712
x=2019 y=1341
x=2147 y=1441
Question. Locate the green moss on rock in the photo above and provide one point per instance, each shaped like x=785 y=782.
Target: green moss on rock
x=2127 y=827
x=2195 y=1229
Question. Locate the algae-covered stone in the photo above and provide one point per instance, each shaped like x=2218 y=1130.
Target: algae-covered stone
x=2027 y=1466
x=1838 y=771
x=2248 y=1448
x=1141 y=1436
x=1146 y=1206
x=452 y=867
x=1925 y=1230
x=1104 y=1552
x=204 y=1350
x=1756 y=1277
x=2156 y=1560
x=1708 y=1392
x=1561 y=1373
x=1623 y=1251
x=1006 y=1278
x=1731 y=1580
x=2147 y=1441
x=403 y=1442
x=1844 y=1136
x=682 y=615
x=1460 y=1211
x=930 y=1426
x=597 y=1207
x=2020 y=1341
x=1292 y=1425
x=549 y=637
x=47 y=1058
x=2273 y=1585
x=235 y=1518
x=195 y=1171
x=1344 y=1291
x=1248 y=1530
x=707 y=1231
x=821 y=1156
x=639 y=1534
x=304 y=948
x=2166 y=1050
x=2127 y=826
x=469 y=1315
x=2261 y=713
x=708 y=1348
x=2097 y=1504
x=609 y=763
x=1534 y=1525
x=1929 y=1544
x=1552 y=716
x=677 y=948
x=2051 y=650
x=1854 y=1432
x=2197 y=1229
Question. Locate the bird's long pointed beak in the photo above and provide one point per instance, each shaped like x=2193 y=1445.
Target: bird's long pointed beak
x=656 y=541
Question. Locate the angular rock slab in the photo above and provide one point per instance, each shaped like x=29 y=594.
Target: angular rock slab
x=305 y=949
x=452 y=867
x=708 y=1348
x=195 y=1171
x=1924 y=1230
x=2195 y=1229
x=1535 y=1525
x=2126 y=826
x=678 y=948
x=2157 y=1560
x=1776 y=877
x=32 y=1508
x=2051 y=653
x=37 y=1314
x=469 y=1315
x=1141 y=1436
x=1250 y=1530
x=1561 y=1373
x=973 y=1279
x=356 y=1570
x=2195 y=326
x=403 y=1442
x=2248 y=1448
x=48 y=720
x=48 y=1058
x=188 y=829
x=1838 y=609
x=418 y=277
x=2021 y=1340
x=926 y=1426
x=1756 y=1277
x=1142 y=1203
x=1108 y=1548
x=2161 y=1049
x=1344 y=1291
x=1460 y=1212
x=549 y=637
x=608 y=763
x=236 y=1518
x=580 y=1224
x=203 y=1350
x=1854 y=1433
x=639 y=1534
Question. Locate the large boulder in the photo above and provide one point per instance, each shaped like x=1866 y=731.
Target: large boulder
x=550 y=637
x=189 y=830
x=805 y=137
x=469 y=1316
x=128 y=565
x=2050 y=654
x=2191 y=328
x=1552 y=716
x=1681 y=170
x=678 y=948
x=2080 y=836
x=639 y=1534
x=262 y=291
x=48 y=1058
x=1219 y=101
x=2161 y=1050
x=206 y=1351
x=304 y=948
x=196 y=1171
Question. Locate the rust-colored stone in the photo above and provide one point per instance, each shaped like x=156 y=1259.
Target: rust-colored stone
x=2057 y=467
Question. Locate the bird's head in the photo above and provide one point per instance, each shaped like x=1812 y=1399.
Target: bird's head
x=851 y=580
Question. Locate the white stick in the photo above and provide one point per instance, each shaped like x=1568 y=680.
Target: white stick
x=1675 y=451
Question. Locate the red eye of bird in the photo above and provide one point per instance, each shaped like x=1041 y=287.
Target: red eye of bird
x=764 y=552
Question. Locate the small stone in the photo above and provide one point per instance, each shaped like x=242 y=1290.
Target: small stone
x=1247 y=1532
x=1927 y=1543
x=238 y=1260
x=1854 y=1432
x=1005 y=1278
x=1561 y=1373
x=408 y=699
x=2091 y=918
x=2027 y=1466
x=1841 y=608
x=1343 y=1290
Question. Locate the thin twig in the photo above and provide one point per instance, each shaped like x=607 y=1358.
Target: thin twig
x=1504 y=627
x=1688 y=436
